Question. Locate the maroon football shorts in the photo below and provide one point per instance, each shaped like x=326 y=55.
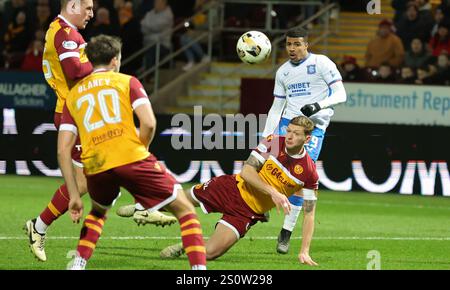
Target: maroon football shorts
x=147 y=180
x=221 y=194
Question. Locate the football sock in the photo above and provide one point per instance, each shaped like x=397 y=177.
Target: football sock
x=90 y=233
x=139 y=206
x=192 y=238
x=40 y=226
x=56 y=207
x=290 y=220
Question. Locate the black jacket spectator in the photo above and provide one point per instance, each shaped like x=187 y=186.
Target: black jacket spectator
x=351 y=71
x=417 y=55
x=130 y=33
x=410 y=26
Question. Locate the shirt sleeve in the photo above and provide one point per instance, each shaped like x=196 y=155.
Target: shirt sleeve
x=313 y=181
x=138 y=96
x=329 y=71
x=67 y=121
x=68 y=44
x=268 y=146
x=279 y=90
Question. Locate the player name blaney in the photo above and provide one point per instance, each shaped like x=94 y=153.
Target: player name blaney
x=94 y=83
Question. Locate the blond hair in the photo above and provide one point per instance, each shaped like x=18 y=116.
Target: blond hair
x=305 y=122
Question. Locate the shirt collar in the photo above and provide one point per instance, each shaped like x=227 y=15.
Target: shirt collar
x=67 y=21
x=296 y=156
x=100 y=70
x=300 y=62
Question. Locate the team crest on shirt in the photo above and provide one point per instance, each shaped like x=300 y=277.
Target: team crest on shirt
x=157 y=166
x=198 y=186
x=311 y=69
x=67 y=30
x=298 y=169
x=269 y=138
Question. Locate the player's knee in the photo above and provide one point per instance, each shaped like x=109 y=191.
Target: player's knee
x=180 y=207
x=213 y=253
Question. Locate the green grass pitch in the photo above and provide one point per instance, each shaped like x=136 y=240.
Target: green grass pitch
x=409 y=232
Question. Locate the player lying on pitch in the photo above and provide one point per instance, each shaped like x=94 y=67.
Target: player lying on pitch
x=276 y=169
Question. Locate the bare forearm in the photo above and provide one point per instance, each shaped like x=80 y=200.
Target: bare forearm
x=65 y=164
x=146 y=135
x=308 y=225
x=251 y=176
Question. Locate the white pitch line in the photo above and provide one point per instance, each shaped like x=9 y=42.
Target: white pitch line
x=378 y=204
x=251 y=238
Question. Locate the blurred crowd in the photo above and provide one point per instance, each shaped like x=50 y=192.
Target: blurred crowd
x=137 y=22
x=413 y=48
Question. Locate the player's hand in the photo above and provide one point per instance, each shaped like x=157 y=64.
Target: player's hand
x=281 y=201
x=311 y=109
x=76 y=209
x=304 y=258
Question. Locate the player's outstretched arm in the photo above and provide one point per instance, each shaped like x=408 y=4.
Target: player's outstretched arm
x=337 y=96
x=250 y=174
x=66 y=141
x=309 y=207
x=273 y=118
x=147 y=121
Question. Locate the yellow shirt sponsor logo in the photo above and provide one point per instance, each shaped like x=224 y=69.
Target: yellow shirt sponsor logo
x=279 y=175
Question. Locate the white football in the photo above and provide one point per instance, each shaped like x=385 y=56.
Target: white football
x=253 y=47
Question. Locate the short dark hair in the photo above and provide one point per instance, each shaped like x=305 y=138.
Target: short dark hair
x=297 y=32
x=64 y=3
x=102 y=49
x=305 y=122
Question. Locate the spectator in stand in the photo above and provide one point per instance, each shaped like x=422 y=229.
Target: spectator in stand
x=407 y=75
x=155 y=26
x=400 y=9
x=425 y=14
x=385 y=47
x=143 y=7
x=385 y=74
x=425 y=76
x=410 y=26
x=33 y=57
x=11 y=9
x=43 y=17
x=102 y=24
x=351 y=71
x=441 y=41
x=417 y=55
x=438 y=18
x=443 y=69
x=16 y=41
x=195 y=51
x=445 y=7
x=130 y=33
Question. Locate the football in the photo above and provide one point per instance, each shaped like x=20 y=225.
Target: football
x=253 y=47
